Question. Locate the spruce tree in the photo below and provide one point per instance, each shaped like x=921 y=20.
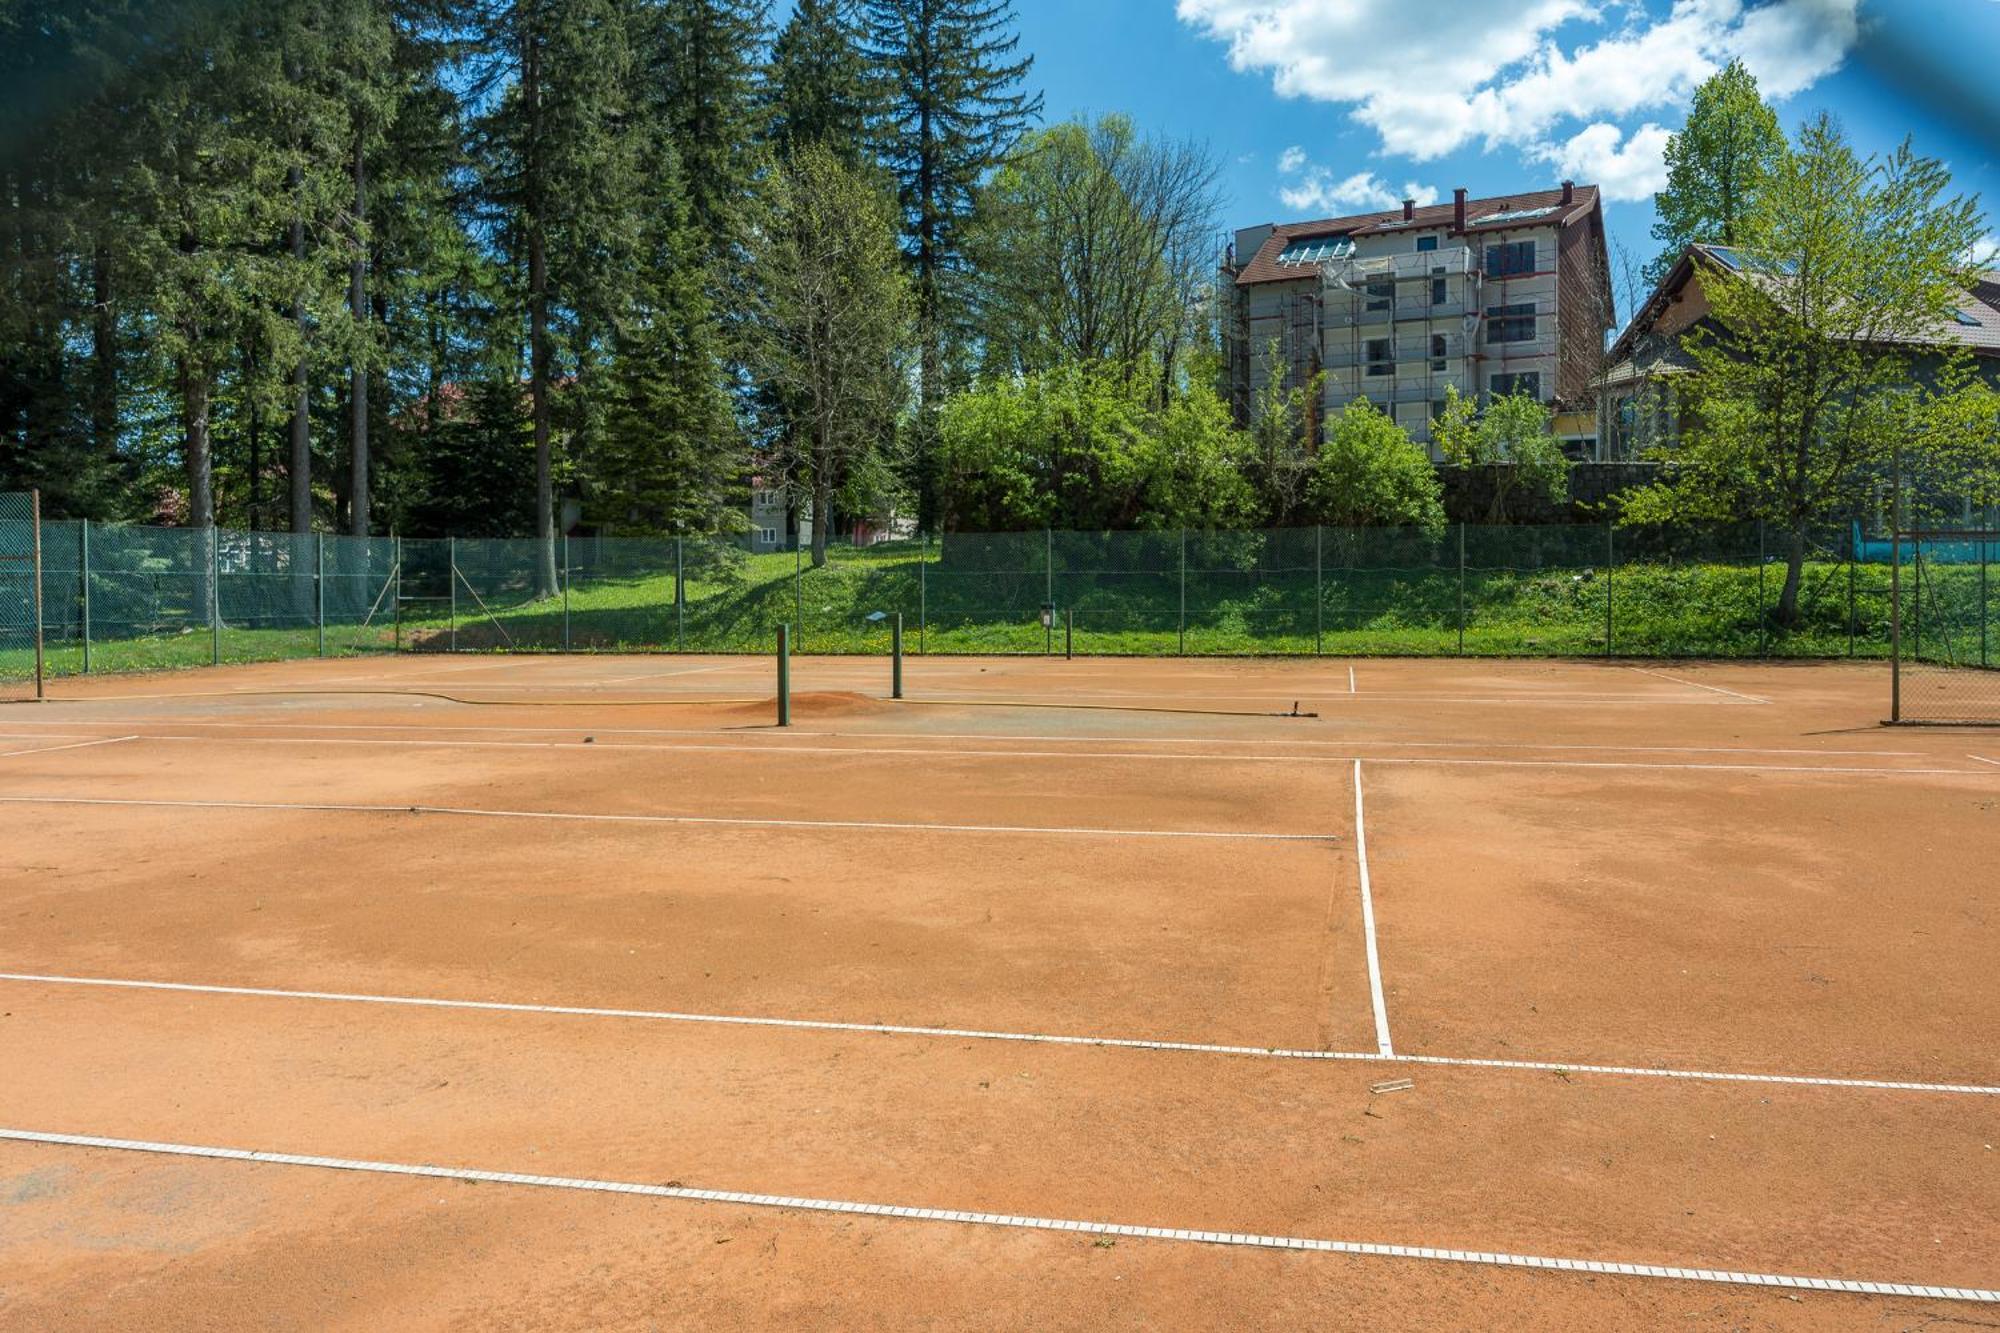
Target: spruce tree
x=821 y=87
x=954 y=109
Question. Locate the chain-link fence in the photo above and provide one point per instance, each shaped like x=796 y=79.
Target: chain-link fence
x=21 y=642
x=121 y=597
x=1947 y=656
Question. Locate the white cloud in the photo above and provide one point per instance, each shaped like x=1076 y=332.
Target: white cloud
x=1318 y=190
x=1622 y=166
x=1431 y=76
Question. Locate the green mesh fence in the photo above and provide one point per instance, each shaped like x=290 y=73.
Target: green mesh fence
x=21 y=620
x=121 y=597
x=1949 y=659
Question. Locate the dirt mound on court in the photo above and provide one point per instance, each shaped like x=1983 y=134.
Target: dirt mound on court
x=810 y=706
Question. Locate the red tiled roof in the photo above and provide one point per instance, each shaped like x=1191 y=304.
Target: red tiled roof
x=1264 y=267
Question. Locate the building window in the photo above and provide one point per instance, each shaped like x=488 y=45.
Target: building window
x=1508 y=383
x=1381 y=294
x=1511 y=323
x=1427 y=242
x=1510 y=259
x=1440 y=291
x=1381 y=361
x=1437 y=351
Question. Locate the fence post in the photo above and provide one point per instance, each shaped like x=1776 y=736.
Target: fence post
x=1896 y=584
x=83 y=578
x=35 y=525
x=799 y=581
x=214 y=596
x=680 y=596
x=1610 y=560
x=1049 y=590
x=1319 y=589
x=565 y=586
x=1183 y=592
x=923 y=594
x=396 y=553
x=1984 y=549
x=1461 y=589
x=1852 y=611
x=319 y=588
x=1763 y=616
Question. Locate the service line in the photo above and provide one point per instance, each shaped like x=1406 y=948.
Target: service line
x=1682 y=680
x=989 y=1034
x=943 y=752
x=1599 y=1267
x=459 y=811
x=74 y=745
x=1382 y=1043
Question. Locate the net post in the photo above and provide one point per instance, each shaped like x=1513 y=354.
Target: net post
x=35 y=528
x=83 y=586
x=214 y=596
x=784 y=675
x=896 y=658
x=319 y=588
x=451 y=575
x=565 y=588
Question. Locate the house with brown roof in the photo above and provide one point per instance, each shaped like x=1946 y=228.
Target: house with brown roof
x=1639 y=396
x=1508 y=294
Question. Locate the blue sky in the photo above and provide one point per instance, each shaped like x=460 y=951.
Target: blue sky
x=1377 y=96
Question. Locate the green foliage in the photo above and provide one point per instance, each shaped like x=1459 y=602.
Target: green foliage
x=1284 y=431
x=820 y=87
x=1512 y=439
x=1369 y=473
x=1716 y=165
x=1849 y=265
x=1083 y=445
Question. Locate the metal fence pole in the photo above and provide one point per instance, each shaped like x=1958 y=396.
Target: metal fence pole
x=1461 y=589
x=319 y=588
x=1069 y=633
x=1896 y=584
x=565 y=587
x=1763 y=618
x=1183 y=592
x=1049 y=584
x=799 y=581
x=214 y=597
x=1984 y=549
x=83 y=586
x=396 y=549
x=923 y=594
x=1319 y=589
x=1610 y=560
x=451 y=577
x=680 y=596
x=1853 y=613
x=35 y=527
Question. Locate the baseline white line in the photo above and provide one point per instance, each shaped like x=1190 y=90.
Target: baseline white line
x=1680 y=680
x=334 y=807
x=1984 y=760
x=777 y=738
x=1485 y=1258
x=74 y=745
x=957 y=753
x=1368 y=921
x=1027 y=1038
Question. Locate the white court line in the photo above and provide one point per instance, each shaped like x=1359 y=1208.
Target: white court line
x=1984 y=760
x=1486 y=1258
x=333 y=807
x=74 y=745
x=945 y=753
x=1028 y=1038
x=776 y=738
x=1681 y=680
x=1350 y=679
x=1368 y=921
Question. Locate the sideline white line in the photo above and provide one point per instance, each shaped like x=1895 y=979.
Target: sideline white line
x=334 y=807
x=1681 y=680
x=1486 y=1258
x=1368 y=921
x=944 y=752
x=776 y=738
x=1350 y=679
x=1026 y=1038
x=75 y=745
x=1984 y=760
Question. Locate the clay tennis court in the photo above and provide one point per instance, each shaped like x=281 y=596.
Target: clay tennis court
x=572 y=993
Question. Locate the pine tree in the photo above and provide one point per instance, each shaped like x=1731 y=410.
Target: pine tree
x=954 y=111
x=821 y=87
x=702 y=65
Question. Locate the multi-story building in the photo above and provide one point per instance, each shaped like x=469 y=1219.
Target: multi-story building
x=1488 y=296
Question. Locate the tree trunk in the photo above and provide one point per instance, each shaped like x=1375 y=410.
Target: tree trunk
x=822 y=512
x=1787 y=614
x=194 y=390
x=253 y=433
x=538 y=326
x=103 y=357
x=357 y=388
x=299 y=467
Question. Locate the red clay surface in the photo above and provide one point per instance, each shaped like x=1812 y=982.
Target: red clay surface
x=1722 y=868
